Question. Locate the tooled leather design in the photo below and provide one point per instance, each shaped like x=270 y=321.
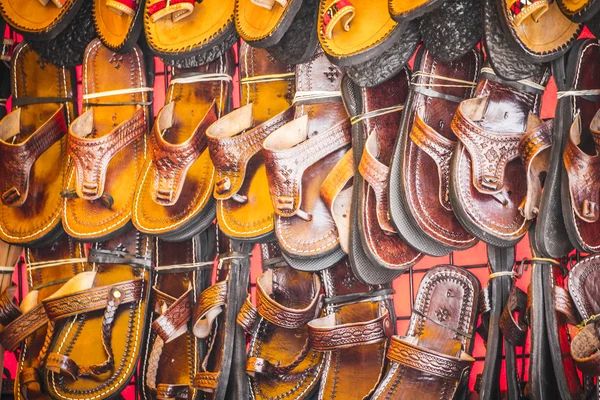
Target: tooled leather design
x=583 y=172
x=376 y=174
x=348 y=335
x=514 y=330
x=230 y=155
x=490 y=152
x=92 y=156
x=91 y=299
x=214 y=296
x=440 y=150
x=564 y=305
x=164 y=391
x=18 y=159
x=420 y=359
x=23 y=327
x=206 y=380
x=174 y=317
x=172 y=161
x=286 y=167
x=274 y=312
x=534 y=141
x=159 y=298
x=8 y=309
x=248 y=316
x=584 y=349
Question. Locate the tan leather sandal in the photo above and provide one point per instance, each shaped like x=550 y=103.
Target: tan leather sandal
x=118 y=22
x=101 y=318
x=107 y=144
x=42 y=19
x=33 y=147
x=173 y=199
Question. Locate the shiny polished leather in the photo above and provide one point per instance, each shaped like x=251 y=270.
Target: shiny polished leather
x=432 y=361
x=280 y=362
x=259 y=20
x=107 y=144
x=108 y=304
x=32 y=17
x=321 y=135
x=379 y=237
x=118 y=27
x=174 y=191
x=405 y=10
x=488 y=180
x=353 y=335
x=428 y=144
x=184 y=271
x=33 y=147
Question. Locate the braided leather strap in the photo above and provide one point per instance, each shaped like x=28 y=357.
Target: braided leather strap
x=325 y=334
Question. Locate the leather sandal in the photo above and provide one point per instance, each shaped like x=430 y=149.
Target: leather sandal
x=581 y=184
x=183 y=271
x=214 y=319
x=39 y=19
x=118 y=23
x=579 y=11
x=189 y=33
x=304 y=226
x=406 y=10
x=27 y=327
x=353 y=335
x=244 y=208
x=265 y=82
x=433 y=360
x=500 y=159
x=107 y=144
x=281 y=362
x=173 y=199
x=376 y=116
x=420 y=207
x=358 y=32
x=287 y=28
x=506 y=61
x=107 y=304
x=453 y=29
x=538 y=29
x=33 y=147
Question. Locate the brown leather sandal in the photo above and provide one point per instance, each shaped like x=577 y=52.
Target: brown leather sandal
x=107 y=144
x=433 y=360
x=376 y=121
x=33 y=147
x=354 y=334
x=27 y=326
x=118 y=22
x=39 y=18
x=172 y=354
x=419 y=199
x=214 y=319
x=173 y=199
x=197 y=31
x=538 y=28
x=107 y=304
x=498 y=164
x=280 y=361
x=319 y=136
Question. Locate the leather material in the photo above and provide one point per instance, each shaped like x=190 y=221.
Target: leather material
x=172 y=300
x=538 y=29
x=174 y=192
x=427 y=145
x=579 y=11
x=406 y=10
x=108 y=145
x=370 y=33
x=380 y=241
x=512 y=321
x=432 y=361
x=263 y=23
x=488 y=180
x=280 y=362
x=121 y=327
x=353 y=334
x=33 y=147
x=320 y=134
x=34 y=18
x=118 y=26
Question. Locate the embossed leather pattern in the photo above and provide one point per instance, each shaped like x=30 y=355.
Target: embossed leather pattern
x=174 y=317
x=515 y=329
x=8 y=309
x=22 y=327
x=214 y=296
